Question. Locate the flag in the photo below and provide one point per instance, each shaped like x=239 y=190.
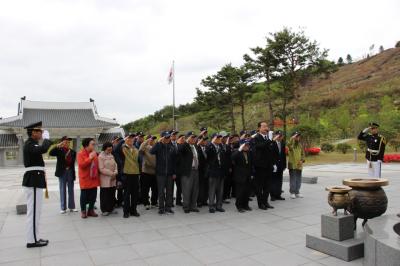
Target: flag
x=171 y=74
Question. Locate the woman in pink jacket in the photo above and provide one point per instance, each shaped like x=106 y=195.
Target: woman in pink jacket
x=108 y=171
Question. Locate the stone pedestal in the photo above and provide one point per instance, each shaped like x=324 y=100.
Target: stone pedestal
x=337 y=238
x=339 y=228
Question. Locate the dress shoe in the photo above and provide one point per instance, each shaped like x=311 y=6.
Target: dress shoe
x=220 y=209
x=105 y=213
x=226 y=202
x=126 y=215
x=147 y=207
x=241 y=210
x=280 y=198
x=195 y=210
x=160 y=211
x=135 y=214
x=269 y=206
x=37 y=244
x=211 y=210
x=92 y=213
x=73 y=210
x=247 y=208
x=299 y=196
x=83 y=214
x=186 y=211
x=43 y=241
x=273 y=198
x=262 y=207
x=169 y=211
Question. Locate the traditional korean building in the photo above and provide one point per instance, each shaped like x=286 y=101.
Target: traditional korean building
x=77 y=120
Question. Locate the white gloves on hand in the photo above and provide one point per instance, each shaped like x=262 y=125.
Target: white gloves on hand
x=275 y=168
x=46 y=134
x=270 y=134
x=241 y=147
x=379 y=161
x=365 y=130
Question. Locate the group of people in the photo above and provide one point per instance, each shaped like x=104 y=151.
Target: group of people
x=142 y=169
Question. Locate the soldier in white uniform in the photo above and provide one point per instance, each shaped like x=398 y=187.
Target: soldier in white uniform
x=34 y=180
x=375 y=149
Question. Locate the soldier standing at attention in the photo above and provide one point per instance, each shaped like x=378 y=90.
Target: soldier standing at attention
x=375 y=149
x=34 y=180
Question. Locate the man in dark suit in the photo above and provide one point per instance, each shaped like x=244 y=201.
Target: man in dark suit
x=65 y=171
x=215 y=157
x=117 y=157
x=203 y=177
x=177 y=181
x=227 y=166
x=278 y=148
x=264 y=165
x=242 y=174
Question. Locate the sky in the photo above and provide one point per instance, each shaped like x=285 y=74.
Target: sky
x=119 y=52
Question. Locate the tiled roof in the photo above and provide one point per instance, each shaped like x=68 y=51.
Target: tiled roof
x=104 y=137
x=60 y=118
x=8 y=140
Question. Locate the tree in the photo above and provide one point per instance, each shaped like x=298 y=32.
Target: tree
x=243 y=91
x=397 y=44
x=294 y=53
x=340 y=61
x=264 y=66
x=349 y=59
x=381 y=49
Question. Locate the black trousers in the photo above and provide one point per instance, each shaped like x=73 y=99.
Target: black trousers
x=276 y=184
x=215 y=192
x=203 y=189
x=165 y=186
x=228 y=182
x=88 y=196
x=149 y=182
x=242 y=194
x=178 y=183
x=131 y=192
x=107 y=199
x=262 y=185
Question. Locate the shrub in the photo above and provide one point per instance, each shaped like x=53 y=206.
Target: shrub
x=327 y=147
x=343 y=147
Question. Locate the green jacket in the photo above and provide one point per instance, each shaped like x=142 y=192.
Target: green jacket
x=296 y=155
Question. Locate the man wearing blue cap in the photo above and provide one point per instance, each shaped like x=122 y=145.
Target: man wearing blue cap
x=189 y=164
x=166 y=172
x=34 y=180
x=242 y=174
x=215 y=158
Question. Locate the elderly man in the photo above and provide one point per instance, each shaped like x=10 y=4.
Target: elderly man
x=166 y=172
x=189 y=164
x=215 y=157
x=148 y=176
x=376 y=144
x=295 y=165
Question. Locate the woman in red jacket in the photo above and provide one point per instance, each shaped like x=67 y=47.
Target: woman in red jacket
x=88 y=177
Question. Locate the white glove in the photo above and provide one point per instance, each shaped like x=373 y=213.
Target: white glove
x=275 y=168
x=365 y=130
x=379 y=161
x=270 y=134
x=241 y=147
x=46 y=134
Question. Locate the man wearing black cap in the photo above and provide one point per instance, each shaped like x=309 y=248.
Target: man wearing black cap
x=189 y=165
x=278 y=149
x=203 y=177
x=242 y=174
x=148 y=176
x=177 y=180
x=215 y=157
x=34 y=180
x=376 y=144
x=264 y=164
x=138 y=141
x=65 y=171
x=203 y=132
x=166 y=172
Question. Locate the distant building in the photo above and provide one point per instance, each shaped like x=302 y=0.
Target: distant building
x=77 y=120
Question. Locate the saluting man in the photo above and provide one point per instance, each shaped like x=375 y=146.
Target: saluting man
x=34 y=180
x=375 y=149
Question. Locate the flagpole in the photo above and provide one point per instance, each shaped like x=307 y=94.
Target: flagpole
x=173 y=94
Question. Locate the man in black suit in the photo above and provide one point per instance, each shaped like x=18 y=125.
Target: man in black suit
x=278 y=148
x=203 y=177
x=215 y=157
x=264 y=165
x=227 y=166
x=242 y=174
x=65 y=171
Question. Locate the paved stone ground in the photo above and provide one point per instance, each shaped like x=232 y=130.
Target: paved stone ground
x=273 y=237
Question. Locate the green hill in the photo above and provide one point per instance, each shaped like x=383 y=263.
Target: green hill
x=337 y=105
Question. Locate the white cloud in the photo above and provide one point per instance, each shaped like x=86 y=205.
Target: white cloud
x=120 y=52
